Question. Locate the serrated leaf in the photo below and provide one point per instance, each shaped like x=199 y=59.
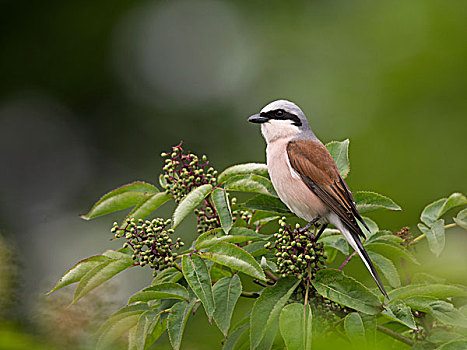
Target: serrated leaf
x=334 y=285
x=367 y=201
x=400 y=312
x=226 y=293
x=267 y=308
x=387 y=268
x=176 y=322
x=295 y=324
x=354 y=328
x=217 y=272
x=122 y=253
x=266 y=264
x=446 y=313
x=197 y=275
x=461 y=218
x=453 y=201
x=441 y=291
x=391 y=251
x=423 y=277
x=369 y=322
x=75 y=273
x=121 y=198
x=144 y=334
x=160 y=291
x=190 y=203
x=373 y=226
x=99 y=274
x=435 y=236
x=118 y=324
x=266 y=203
x=148 y=204
x=384 y=237
x=340 y=153
x=236 y=258
x=170 y=274
x=221 y=203
x=242 y=169
x=337 y=242
x=251 y=183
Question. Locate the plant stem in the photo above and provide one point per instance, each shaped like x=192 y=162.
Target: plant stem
x=271 y=275
x=347 y=260
x=395 y=335
x=307 y=290
x=250 y=294
x=419 y=238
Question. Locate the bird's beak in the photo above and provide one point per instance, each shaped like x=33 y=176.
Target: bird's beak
x=258 y=119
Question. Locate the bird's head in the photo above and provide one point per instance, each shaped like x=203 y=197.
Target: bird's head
x=280 y=119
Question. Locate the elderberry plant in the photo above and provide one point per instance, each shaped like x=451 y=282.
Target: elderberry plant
x=302 y=296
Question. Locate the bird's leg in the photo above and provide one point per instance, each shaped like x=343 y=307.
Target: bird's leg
x=321 y=230
x=307 y=226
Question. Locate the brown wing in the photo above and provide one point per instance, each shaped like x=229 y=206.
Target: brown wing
x=319 y=172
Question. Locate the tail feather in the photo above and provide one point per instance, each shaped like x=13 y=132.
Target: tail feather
x=357 y=245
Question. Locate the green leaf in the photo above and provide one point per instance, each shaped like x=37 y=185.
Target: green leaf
x=373 y=226
x=121 y=198
x=369 y=322
x=217 y=272
x=77 y=272
x=296 y=327
x=446 y=313
x=334 y=285
x=148 y=329
x=369 y=201
x=340 y=153
x=384 y=237
x=435 y=210
x=190 y=203
x=387 y=268
x=236 y=258
x=251 y=183
x=400 y=312
x=176 y=322
x=266 y=203
x=119 y=323
x=122 y=253
x=226 y=293
x=239 y=338
x=170 y=274
x=242 y=169
x=148 y=204
x=460 y=344
x=461 y=219
x=162 y=181
x=453 y=201
x=221 y=203
x=354 y=328
x=197 y=275
x=391 y=251
x=441 y=291
x=99 y=274
x=236 y=235
x=160 y=291
x=435 y=236
x=337 y=242
x=267 y=308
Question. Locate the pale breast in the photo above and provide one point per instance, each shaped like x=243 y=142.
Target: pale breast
x=288 y=184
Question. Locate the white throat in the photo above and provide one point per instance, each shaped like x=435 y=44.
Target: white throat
x=278 y=129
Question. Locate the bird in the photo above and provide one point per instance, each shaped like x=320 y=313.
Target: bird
x=306 y=177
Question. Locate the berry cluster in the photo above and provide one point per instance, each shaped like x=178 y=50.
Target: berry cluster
x=296 y=253
x=406 y=236
x=183 y=172
x=150 y=241
x=207 y=218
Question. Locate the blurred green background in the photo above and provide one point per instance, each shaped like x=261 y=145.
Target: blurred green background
x=91 y=92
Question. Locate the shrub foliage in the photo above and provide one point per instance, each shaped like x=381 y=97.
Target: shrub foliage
x=300 y=298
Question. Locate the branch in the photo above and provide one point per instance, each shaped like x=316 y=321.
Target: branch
x=347 y=260
x=395 y=335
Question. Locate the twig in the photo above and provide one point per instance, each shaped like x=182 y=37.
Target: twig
x=347 y=260
x=259 y=283
x=250 y=294
x=419 y=238
x=271 y=275
x=395 y=335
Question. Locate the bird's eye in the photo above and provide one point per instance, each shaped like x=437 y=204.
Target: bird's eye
x=279 y=113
